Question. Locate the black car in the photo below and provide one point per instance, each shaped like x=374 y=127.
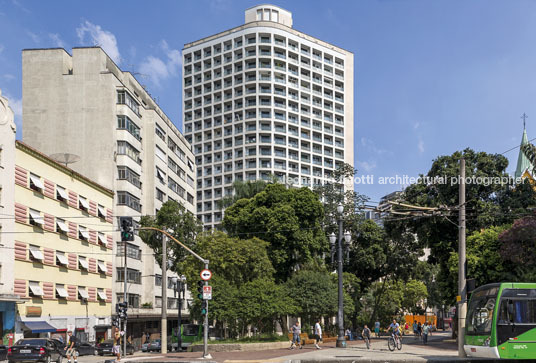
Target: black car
x=35 y=349
x=106 y=348
x=83 y=349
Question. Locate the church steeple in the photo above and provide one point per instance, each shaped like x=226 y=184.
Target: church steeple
x=523 y=163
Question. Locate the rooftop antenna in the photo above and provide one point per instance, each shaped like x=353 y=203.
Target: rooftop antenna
x=65 y=158
x=524 y=117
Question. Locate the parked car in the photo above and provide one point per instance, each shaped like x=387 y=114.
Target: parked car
x=144 y=347
x=156 y=346
x=106 y=348
x=35 y=349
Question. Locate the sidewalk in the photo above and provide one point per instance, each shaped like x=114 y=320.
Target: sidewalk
x=440 y=348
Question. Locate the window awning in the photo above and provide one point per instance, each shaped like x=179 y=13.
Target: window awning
x=83 y=202
x=62 y=226
x=62 y=259
x=36 y=217
x=39 y=326
x=36 y=290
x=36 y=254
x=102 y=239
x=102 y=267
x=83 y=263
x=62 y=193
x=84 y=233
x=101 y=295
x=36 y=181
x=102 y=211
x=61 y=292
x=159 y=174
x=83 y=293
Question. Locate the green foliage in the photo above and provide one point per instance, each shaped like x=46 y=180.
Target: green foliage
x=243 y=190
x=180 y=223
x=487 y=205
x=289 y=219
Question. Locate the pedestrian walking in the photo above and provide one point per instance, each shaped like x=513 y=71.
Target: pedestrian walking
x=425 y=331
x=415 y=333
x=116 y=349
x=419 y=330
x=70 y=347
x=318 y=334
x=377 y=329
x=296 y=331
x=366 y=336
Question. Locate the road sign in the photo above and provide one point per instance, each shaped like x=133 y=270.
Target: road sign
x=205 y=275
x=207 y=292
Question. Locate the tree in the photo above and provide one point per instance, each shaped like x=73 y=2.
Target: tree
x=289 y=219
x=181 y=224
x=487 y=204
x=243 y=190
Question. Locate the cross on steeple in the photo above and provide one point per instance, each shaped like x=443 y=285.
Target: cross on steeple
x=524 y=117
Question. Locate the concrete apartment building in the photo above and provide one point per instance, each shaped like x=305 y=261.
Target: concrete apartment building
x=261 y=100
x=83 y=104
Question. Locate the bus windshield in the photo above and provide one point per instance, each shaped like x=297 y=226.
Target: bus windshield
x=480 y=313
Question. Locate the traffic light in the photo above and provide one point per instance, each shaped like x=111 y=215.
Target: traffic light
x=127 y=229
x=121 y=309
x=204 y=307
x=200 y=285
x=115 y=321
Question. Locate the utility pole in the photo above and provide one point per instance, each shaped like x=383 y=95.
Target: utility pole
x=163 y=339
x=205 y=326
x=125 y=300
x=127 y=234
x=462 y=263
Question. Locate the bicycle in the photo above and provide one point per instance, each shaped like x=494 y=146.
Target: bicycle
x=394 y=342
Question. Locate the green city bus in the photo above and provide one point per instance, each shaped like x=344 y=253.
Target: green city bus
x=501 y=321
x=189 y=333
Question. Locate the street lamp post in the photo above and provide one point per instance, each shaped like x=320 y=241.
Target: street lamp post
x=179 y=289
x=341 y=342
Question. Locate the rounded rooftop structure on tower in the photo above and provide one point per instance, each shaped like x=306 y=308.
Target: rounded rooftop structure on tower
x=269 y=12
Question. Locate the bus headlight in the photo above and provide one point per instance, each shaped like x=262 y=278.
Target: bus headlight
x=486 y=342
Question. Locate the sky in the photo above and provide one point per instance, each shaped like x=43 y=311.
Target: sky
x=431 y=77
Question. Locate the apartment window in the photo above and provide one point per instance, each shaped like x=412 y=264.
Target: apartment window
x=172 y=184
x=160 y=195
x=35 y=289
x=35 y=183
x=82 y=263
x=124 y=98
x=61 y=194
x=101 y=211
x=82 y=293
x=61 y=260
x=133 y=276
x=124 y=148
x=82 y=203
x=160 y=153
x=158 y=280
x=61 y=227
x=101 y=239
x=158 y=301
x=161 y=176
x=83 y=234
x=125 y=173
x=36 y=254
x=176 y=168
x=125 y=123
x=159 y=132
x=61 y=293
x=133 y=301
x=101 y=267
x=36 y=219
x=125 y=198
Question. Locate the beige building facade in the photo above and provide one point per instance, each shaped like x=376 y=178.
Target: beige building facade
x=262 y=100
x=83 y=104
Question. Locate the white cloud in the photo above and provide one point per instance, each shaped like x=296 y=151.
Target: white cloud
x=158 y=69
x=34 y=36
x=99 y=37
x=371 y=146
x=416 y=125
x=8 y=76
x=58 y=42
x=420 y=145
x=366 y=166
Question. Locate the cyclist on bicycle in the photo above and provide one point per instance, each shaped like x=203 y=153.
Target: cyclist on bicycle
x=366 y=333
x=395 y=327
